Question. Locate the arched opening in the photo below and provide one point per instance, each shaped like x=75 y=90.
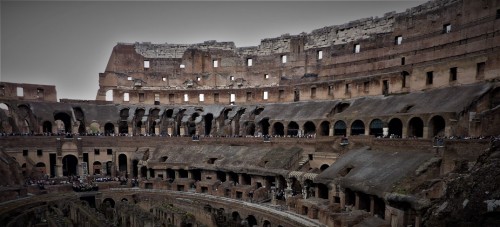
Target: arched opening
x=183 y=173
x=323 y=167
x=109 y=95
x=437 y=126
x=139 y=114
x=151 y=173
x=251 y=220
x=377 y=128
x=154 y=118
x=123 y=127
x=325 y=128
x=293 y=129
x=235 y=216
x=109 y=202
x=249 y=128
x=340 y=128
x=357 y=128
x=395 y=128
x=41 y=168
x=208 y=123
x=309 y=129
x=278 y=129
x=416 y=127
x=109 y=129
x=5 y=119
x=266 y=223
x=264 y=125
x=322 y=191
x=171 y=174
x=97 y=167
x=47 y=127
x=66 y=122
x=70 y=165
x=122 y=164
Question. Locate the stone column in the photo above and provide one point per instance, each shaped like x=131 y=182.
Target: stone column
x=426 y=133
x=240 y=179
x=59 y=170
x=177 y=174
x=288 y=190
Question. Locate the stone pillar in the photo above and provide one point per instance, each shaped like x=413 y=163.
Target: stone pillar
x=177 y=174
x=240 y=179
x=330 y=131
x=288 y=190
x=342 y=199
x=405 y=132
x=190 y=175
x=59 y=170
x=148 y=174
x=117 y=130
x=426 y=133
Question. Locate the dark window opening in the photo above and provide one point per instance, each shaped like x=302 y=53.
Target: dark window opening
x=211 y=160
x=330 y=90
x=249 y=96
x=281 y=94
x=97 y=151
x=366 y=86
x=296 y=96
x=498 y=14
x=25 y=152
x=347 y=88
x=216 y=97
x=480 y=67
x=453 y=74
x=313 y=92
x=171 y=98
x=398 y=40
x=141 y=97
x=109 y=151
x=385 y=87
x=404 y=82
x=429 y=78
x=447 y=28
x=403 y=61
x=39 y=152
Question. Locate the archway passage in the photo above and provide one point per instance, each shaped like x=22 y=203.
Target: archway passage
x=47 y=127
x=70 y=165
x=251 y=220
x=249 y=128
x=357 y=128
x=264 y=125
x=278 y=129
x=66 y=120
x=396 y=128
x=377 y=128
x=339 y=128
x=122 y=163
x=123 y=127
x=309 y=128
x=325 y=128
x=293 y=128
x=416 y=127
x=109 y=128
x=97 y=167
x=437 y=126
x=208 y=124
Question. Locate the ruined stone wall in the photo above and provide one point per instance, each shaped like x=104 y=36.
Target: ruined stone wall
x=32 y=92
x=220 y=68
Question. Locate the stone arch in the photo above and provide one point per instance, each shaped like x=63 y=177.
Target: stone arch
x=154 y=117
x=122 y=163
x=309 y=128
x=437 y=126
x=109 y=95
x=357 y=128
x=396 y=127
x=278 y=129
x=416 y=127
x=340 y=128
x=70 y=165
x=95 y=127
x=138 y=123
x=293 y=128
x=97 y=166
x=208 y=123
x=47 y=127
x=41 y=168
x=109 y=128
x=110 y=201
x=324 y=128
x=249 y=128
x=377 y=128
x=323 y=167
x=264 y=126
x=65 y=119
x=251 y=220
x=6 y=120
x=123 y=124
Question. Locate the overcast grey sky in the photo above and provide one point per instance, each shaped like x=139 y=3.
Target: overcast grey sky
x=68 y=43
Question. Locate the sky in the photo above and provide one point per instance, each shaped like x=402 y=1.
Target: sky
x=68 y=43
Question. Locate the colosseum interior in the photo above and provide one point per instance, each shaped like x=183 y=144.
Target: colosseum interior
x=389 y=121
